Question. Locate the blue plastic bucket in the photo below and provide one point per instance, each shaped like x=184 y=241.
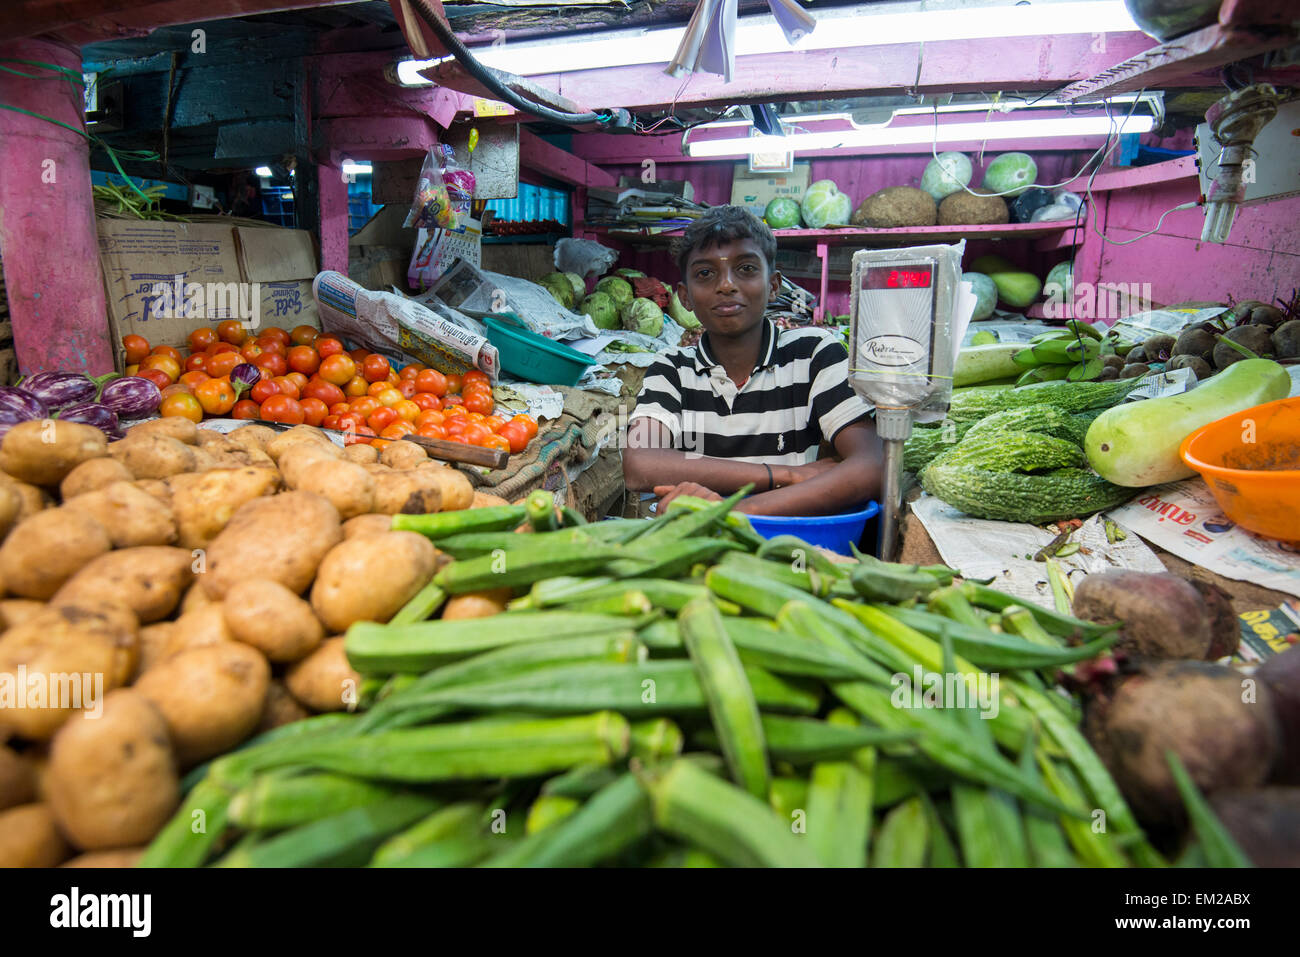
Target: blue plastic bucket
x=833 y=532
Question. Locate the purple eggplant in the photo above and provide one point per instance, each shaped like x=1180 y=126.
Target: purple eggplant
x=22 y=403
x=131 y=397
x=93 y=413
x=8 y=419
x=244 y=376
x=60 y=389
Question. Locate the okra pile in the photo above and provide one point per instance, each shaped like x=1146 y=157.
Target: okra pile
x=679 y=692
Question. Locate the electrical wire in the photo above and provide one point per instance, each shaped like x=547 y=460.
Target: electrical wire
x=448 y=38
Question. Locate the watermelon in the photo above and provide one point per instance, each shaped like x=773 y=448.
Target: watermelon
x=1011 y=173
x=825 y=205
x=782 y=213
x=945 y=175
x=986 y=293
x=1062 y=276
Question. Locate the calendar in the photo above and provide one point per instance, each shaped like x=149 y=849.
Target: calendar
x=436 y=249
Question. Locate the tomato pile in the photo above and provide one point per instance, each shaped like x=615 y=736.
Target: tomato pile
x=304 y=376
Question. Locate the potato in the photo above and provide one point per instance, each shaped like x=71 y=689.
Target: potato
x=149 y=579
x=367 y=525
x=476 y=604
x=44 y=551
x=299 y=433
x=457 y=493
x=11 y=506
x=252 y=436
x=403 y=455
x=224 y=452
x=93 y=474
x=113 y=781
x=155 y=456
x=30 y=838
x=324 y=681
x=14 y=611
x=347 y=486
x=376 y=468
x=44 y=451
x=282 y=538
x=130 y=515
x=194 y=599
x=272 y=619
x=361 y=454
x=158 y=488
x=117 y=858
x=33 y=499
x=173 y=427
x=211 y=698
x=17 y=780
x=415 y=492
x=72 y=654
x=153 y=641
x=198 y=629
x=485 y=500
x=281 y=708
x=370 y=577
x=203 y=503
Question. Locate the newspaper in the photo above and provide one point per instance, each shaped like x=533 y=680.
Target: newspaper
x=1142 y=325
x=980 y=548
x=1183 y=518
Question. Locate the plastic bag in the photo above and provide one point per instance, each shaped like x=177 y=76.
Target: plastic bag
x=584 y=256
x=432 y=207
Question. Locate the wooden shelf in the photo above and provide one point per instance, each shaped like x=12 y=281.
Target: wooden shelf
x=861 y=236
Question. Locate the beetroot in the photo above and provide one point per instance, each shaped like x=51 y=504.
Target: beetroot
x=1265 y=822
x=1163 y=616
x=1281 y=674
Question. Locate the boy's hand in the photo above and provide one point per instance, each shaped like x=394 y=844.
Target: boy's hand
x=801 y=473
x=667 y=493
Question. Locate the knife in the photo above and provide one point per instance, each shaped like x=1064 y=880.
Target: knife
x=438 y=448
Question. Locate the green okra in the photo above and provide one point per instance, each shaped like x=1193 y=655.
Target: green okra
x=460 y=818
x=799 y=741
x=440 y=525
x=992 y=651
x=840 y=802
x=548 y=810
x=903 y=836
x=274 y=801
x=657 y=739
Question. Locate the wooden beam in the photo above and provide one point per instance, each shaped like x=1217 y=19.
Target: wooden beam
x=1184 y=167
x=551 y=161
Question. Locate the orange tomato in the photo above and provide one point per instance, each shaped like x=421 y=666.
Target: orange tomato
x=327 y=392
x=457 y=411
x=476 y=433
x=398 y=429
x=427 y=401
x=496 y=442
x=278 y=334
x=411 y=370
x=428 y=417
x=528 y=422
x=298 y=379
x=480 y=403
x=169 y=351
x=217 y=396
x=456 y=437
x=272 y=363
x=156 y=376
x=217 y=347
x=516 y=435
x=381 y=419
x=246 y=409
x=374 y=388
x=337 y=368
x=183 y=405
x=375 y=368
x=476 y=375
x=406 y=387
x=364 y=405
x=263 y=389
x=406 y=409
x=355 y=386
x=473 y=416
x=455 y=426
x=135 y=348
x=251 y=349
x=454 y=383
x=222 y=363
x=177 y=388
x=327 y=346
x=286 y=386
x=196 y=362
x=313 y=411
x=282 y=408
x=432 y=431
x=331 y=422
x=338 y=408
x=452 y=398
x=272 y=344
x=358 y=355
x=194 y=377
x=380 y=444
x=163 y=363
x=201 y=338
x=389 y=397
x=494 y=422
x=303 y=359
x=431 y=381
x=232 y=331
x=362 y=435
x=304 y=335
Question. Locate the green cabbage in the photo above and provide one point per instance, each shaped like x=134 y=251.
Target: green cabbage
x=578 y=283
x=602 y=310
x=681 y=315
x=620 y=290
x=643 y=316
x=558 y=285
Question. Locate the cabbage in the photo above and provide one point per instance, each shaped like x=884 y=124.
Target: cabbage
x=578 y=283
x=558 y=285
x=620 y=290
x=602 y=310
x=643 y=316
x=681 y=315
x=629 y=273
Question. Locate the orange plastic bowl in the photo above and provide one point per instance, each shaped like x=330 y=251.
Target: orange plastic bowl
x=1251 y=462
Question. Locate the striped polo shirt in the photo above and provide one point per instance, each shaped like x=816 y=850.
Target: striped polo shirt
x=797 y=396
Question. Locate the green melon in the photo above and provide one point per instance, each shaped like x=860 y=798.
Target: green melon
x=1062 y=275
x=782 y=213
x=986 y=293
x=825 y=205
x=1011 y=173
x=947 y=174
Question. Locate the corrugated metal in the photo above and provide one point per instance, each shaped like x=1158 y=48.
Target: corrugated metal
x=533 y=203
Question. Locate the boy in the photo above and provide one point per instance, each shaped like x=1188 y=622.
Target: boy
x=750 y=403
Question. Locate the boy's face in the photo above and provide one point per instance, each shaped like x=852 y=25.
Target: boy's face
x=727 y=287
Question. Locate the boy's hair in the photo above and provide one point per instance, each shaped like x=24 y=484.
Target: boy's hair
x=722 y=224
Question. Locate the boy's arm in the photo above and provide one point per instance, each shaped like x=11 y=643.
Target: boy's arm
x=850 y=482
x=650 y=461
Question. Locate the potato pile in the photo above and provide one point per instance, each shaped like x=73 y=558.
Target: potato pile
x=201 y=584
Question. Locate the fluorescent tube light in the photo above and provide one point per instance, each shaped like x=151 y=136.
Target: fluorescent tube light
x=263 y=171
x=860 y=26
x=917 y=135
x=353 y=169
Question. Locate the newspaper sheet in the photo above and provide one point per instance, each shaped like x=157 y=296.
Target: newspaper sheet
x=1003 y=551
x=1183 y=518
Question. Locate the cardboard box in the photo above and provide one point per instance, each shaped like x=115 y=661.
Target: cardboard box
x=756 y=190
x=165 y=279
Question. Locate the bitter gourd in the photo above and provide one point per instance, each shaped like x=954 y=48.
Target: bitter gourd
x=1066 y=396
x=1047 y=419
x=930 y=441
x=1013 y=451
x=1015 y=497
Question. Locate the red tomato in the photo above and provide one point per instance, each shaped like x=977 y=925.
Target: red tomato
x=286 y=386
x=193 y=378
x=455 y=437
x=272 y=344
x=263 y=389
x=406 y=387
x=359 y=355
x=217 y=396
x=196 y=362
x=278 y=334
x=363 y=435
x=432 y=431
x=426 y=401
x=374 y=368
x=181 y=404
x=456 y=425
x=201 y=338
x=223 y=363
x=516 y=435
x=497 y=442
x=246 y=409
x=453 y=399
x=272 y=363
x=331 y=422
x=327 y=346
x=169 y=351
x=232 y=331
x=411 y=370
x=282 y=408
x=156 y=376
x=364 y=405
x=298 y=379
x=476 y=433
x=337 y=368
x=381 y=419
x=431 y=381
x=218 y=347
x=454 y=383
x=135 y=348
x=304 y=359
x=338 y=408
x=327 y=392
x=351 y=421
x=478 y=402
x=251 y=349
x=528 y=422
x=313 y=411
x=304 y=335
x=429 y=417
x=476 y=375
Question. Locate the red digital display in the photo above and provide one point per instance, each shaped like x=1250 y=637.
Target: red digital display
x=887 y=277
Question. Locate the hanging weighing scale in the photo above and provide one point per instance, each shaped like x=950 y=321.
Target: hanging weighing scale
x=901 y=351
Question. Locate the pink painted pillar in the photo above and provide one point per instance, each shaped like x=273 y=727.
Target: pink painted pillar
x=47 y=218
x=333 y=219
